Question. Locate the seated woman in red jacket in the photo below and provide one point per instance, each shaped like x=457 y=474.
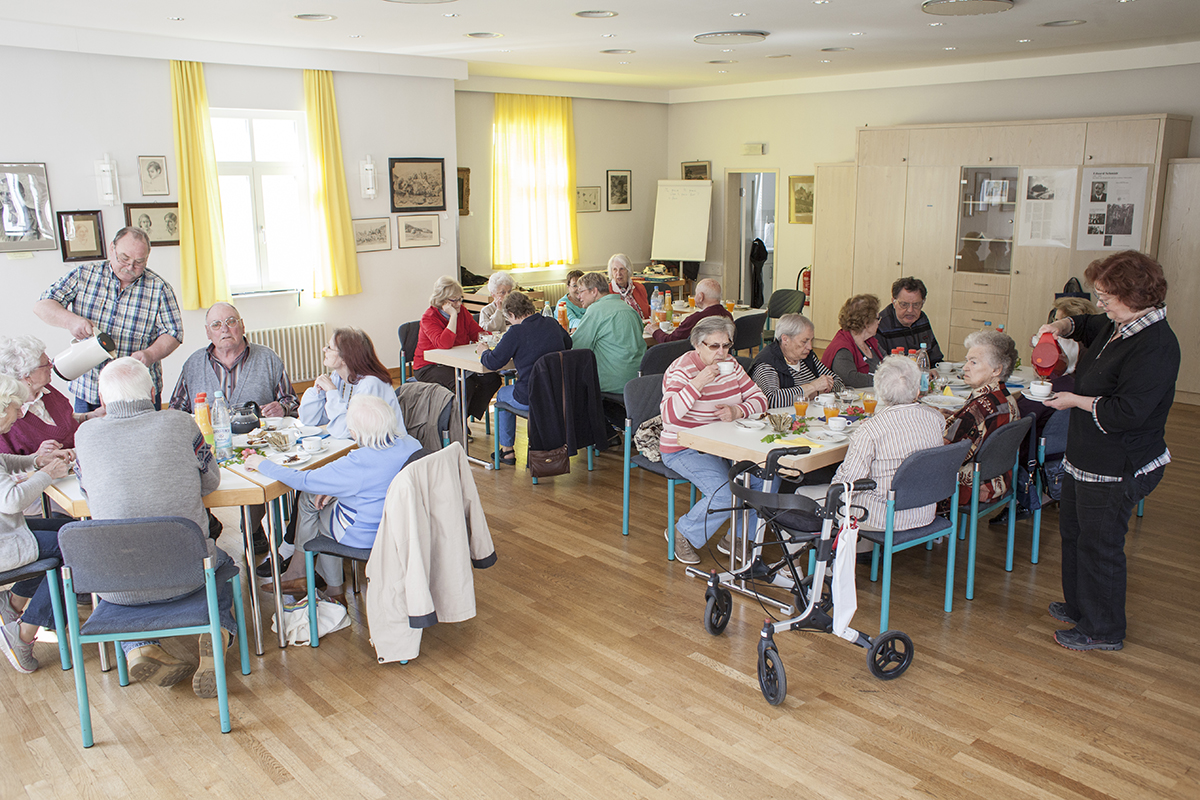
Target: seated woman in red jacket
x=447 y=324
x=854 y=352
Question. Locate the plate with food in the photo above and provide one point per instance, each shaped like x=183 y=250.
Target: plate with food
x=944 y=401
x=289 y=459
x=307 y=430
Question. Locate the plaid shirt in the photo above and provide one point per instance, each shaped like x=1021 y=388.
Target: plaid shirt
x=134 y=317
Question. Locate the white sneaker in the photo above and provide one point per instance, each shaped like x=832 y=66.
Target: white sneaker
x=20 y=654
x=7 y=612
x=725 y=543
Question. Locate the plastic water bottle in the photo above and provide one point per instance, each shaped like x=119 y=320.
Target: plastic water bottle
x=923 y=365
x=222 y=431
x=547 y=310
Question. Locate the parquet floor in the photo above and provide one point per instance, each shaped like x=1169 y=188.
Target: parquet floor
x=588 y=674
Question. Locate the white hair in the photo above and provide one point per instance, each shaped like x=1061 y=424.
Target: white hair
x=711 y=290
x=619 y=259
x=501 y=280
x=792 y=325
x=20 y=355
x=12 y=391
x=372 y=422
x=897 y=380
x=999 y=350
x=710 y=325
x=125 y=379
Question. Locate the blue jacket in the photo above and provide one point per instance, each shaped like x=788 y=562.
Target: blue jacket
x=523 y=344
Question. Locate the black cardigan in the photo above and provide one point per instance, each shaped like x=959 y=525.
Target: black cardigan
x=1135 y=381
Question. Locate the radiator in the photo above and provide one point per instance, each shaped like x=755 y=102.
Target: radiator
x=298 y=345
x=550 y=291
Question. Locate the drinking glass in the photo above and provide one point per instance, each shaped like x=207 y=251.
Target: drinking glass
x=801 y=408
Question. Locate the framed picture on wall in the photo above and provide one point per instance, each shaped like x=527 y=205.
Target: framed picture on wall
x=464 y=191
x=26 y=221
x=620 y=188
x=152 y=170
x=800 y=199
x=160 y=221
x=82 y=235
x=696 y=170
x=418 y=184
x=420 y=231
x=587 y=199
x=372 y=234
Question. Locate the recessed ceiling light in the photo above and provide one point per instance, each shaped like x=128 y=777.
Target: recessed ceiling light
x=449 y=15
x=836 y=49
x=607 y=35
x=595 y=14
x=722 y=62
x=175 y=19
x=623 y=62
x=857 y=33
x=738 y=14
x=483 y=35
x=781 y=55
x=727 y=50
x=826 y=61
x=1125 y=1
x=820 y=2
x=1024 y=41
x=730 y=37
x=315 y=17
x=506 y=51
x=419 y=2
x=936 y=24
x=618 y=52
x=356 y=36
x=722 y=72
x=949 y=48
x=965 y=8
x=1064 y=23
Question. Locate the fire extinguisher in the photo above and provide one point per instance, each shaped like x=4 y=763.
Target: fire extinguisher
x=804 y=282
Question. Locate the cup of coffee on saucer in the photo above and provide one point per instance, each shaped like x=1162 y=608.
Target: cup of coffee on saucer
x=837 y=424
x=1040 y=390
x=313 y=444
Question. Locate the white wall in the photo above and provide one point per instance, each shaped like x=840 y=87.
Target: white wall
x=122 y=106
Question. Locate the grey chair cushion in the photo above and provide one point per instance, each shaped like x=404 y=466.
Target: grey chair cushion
x=186 y=611
x=331 y=547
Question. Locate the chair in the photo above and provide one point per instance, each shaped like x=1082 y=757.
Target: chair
x=924 y=478
x=163 y=555
x=408 y=333
x=50 y=568
x=642 y=399
x=999 y=453
x=1053 y=441
x=417 y=400
x=782 y=301
x=748 y=332
x=659 y=357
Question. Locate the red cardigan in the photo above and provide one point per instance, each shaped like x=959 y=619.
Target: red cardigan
x=844 y=340
x=435 y=335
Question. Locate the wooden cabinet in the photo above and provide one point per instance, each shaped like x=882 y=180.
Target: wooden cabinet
x=878 y=229
x=833 y=244
x=1133 y=141
x=977 y=300
x=929 y=239
x=887 y=147
x=1179 y=254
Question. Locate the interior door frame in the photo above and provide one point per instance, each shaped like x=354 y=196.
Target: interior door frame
x=732 y=261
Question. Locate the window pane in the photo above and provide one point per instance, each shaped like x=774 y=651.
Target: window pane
x=286 y=231
x=231 y=138
x=237 y=212
x=276 y=140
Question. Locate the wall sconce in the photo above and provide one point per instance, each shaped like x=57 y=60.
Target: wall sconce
x=108 y=188
x=366 y=178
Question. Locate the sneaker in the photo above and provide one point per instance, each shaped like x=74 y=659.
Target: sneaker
x=7 y=612
x=684 y=552
x=1060 y=613
x=151 y=664
x=1002 y=517
x=1076 y=639
x=725 y=544
x=19 y=653
x=204 y=682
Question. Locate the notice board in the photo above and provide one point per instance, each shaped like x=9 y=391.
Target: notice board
x=681 y=218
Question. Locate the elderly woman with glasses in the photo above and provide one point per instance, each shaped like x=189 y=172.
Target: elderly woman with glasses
x=447 y=324
x=787 y=370
x=354 y=371
x=854 y=352
x=702 y=386
x=47 y=421
x=491 y=316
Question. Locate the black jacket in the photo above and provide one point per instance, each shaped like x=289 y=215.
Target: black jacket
x=584 y=422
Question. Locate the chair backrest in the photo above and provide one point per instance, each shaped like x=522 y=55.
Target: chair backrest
x=927 y=476
x=408 y=333
x=748 y=331
x=660 y=356
x=1055 y=432
x=642 y=398
x=785 y=301
x=161 y=555
x=584 y=413
x=746 y=362
x=999 y=449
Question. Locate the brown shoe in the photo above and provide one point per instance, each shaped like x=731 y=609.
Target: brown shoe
x=296 y=587
x=204 y=682
x=151 y=664
x=684 y=552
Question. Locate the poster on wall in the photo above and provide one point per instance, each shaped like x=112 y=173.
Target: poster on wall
x=1046 y=201
x=1112 y=208
x=26 y=222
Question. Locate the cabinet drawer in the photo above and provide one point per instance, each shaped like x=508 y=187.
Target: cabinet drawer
x=981 y=282
x=973 y=320
x=980 y=302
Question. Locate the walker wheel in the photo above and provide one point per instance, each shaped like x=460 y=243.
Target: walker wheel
x=890 y=655
x=771 y=677
x=717 y=610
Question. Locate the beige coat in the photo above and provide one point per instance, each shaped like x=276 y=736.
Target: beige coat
x=433 y=532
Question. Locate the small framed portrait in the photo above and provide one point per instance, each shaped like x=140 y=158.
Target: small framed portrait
x=152 y=170
x=800 y=199
x=26 y=221
x=587 y=199
x=372 y=234
x=620 y=188
x=82 y=235
x=418 y=184
x=464 y=191
x=160 y=221
x=696 y=170
x=420 y=231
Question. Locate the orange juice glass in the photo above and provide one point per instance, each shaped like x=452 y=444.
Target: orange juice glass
x=801 y=408
x=831 y=412
x=729 y=305
x=692 y=301
x=869 y=403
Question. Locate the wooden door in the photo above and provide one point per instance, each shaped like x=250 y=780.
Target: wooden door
x=833 y=245
x=1179 y=254
x=878 y=229
x=931 y=213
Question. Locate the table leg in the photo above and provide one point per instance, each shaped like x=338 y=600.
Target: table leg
x=256 y=612
x=269 y=525
x=460 y=389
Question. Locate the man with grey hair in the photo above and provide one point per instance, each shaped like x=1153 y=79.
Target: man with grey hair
x=137 y=461
x=122 y=298
x=491 y=316
x=708 y=304
x=610 y=329
x=621 y=283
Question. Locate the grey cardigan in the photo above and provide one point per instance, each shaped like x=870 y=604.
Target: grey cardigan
x=18 y=546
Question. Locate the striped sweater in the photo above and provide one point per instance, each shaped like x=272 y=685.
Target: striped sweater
x=684 y=407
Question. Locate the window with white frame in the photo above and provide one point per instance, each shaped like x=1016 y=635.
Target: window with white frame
x=265 y=206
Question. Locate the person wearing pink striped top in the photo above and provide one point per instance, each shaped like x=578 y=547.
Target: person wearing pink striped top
x=695 y=393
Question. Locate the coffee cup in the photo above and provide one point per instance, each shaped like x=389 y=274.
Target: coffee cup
x=726 y=367
x=1040 y=389
x=313 y=444
x=837 y=423
x=664 y=326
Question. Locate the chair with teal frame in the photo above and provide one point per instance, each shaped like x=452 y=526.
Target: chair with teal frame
x=50 y=568
x=1053 y=441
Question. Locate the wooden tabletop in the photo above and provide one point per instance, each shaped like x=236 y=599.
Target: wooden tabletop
x=235 y=490
x=271 y=488
x=729 y=440
x=461 y=357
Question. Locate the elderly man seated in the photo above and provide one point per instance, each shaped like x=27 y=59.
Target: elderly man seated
x=787 y=370
x=140 y=462
x=491 y=316
x=708 y=304
x=344 y=498
x=612 y=330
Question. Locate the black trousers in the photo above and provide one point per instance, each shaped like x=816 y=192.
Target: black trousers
x=1093 y=519
x=481 y=386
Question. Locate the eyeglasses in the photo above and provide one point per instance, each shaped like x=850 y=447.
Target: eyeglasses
x=715 y=347
x=902 y=306
x=231 y=322
x=330 y=349
x=39 y=367
x=1103 y=300
x=456 y=300
x=124 y=259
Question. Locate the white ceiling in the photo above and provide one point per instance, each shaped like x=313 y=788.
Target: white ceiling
x=543 y=39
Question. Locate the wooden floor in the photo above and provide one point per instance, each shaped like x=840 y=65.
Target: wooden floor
x=588 y=674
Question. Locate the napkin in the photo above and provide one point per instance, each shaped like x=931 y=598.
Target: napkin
x=947 y=392
x=800 y=440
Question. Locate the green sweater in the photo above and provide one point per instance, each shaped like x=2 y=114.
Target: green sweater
x=613 y=331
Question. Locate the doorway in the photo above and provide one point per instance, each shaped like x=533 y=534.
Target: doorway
x=750 y=203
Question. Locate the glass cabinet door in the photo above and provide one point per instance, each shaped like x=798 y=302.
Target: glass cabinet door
x=985 y=223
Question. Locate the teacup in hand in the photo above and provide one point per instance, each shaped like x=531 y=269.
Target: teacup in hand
x=726 y=367
x=664 y=326
x=1040 y=389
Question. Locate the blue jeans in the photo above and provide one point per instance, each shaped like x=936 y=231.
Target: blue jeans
x=507 y=427
x=39 y=611
x=709 y=474
x=224 y=606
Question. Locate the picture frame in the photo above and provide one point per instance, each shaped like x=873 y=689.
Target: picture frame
x=696 y=170
x=801 y=199
x=587 y=199
x=152 y=172
x=160 y=221
x=26 y=219
x=374 y=233
x=464 y=191
x=417 y=184
x=620 y=189
x=981 y=179
x=418 y=231
x=81 y=234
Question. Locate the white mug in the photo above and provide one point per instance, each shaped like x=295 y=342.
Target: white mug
x=1039 y=389
x=313 y=444
x=664 y=326
x=726 y=367
x=838 y=423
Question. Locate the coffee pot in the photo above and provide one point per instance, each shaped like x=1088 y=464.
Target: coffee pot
x=82 y=355
x=1048 y=357
x=244 y=418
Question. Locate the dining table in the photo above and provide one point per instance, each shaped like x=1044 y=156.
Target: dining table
x=463 y=359
x=681 y=311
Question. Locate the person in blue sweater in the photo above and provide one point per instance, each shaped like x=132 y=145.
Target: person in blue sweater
x=529 y=337
x=344 y=498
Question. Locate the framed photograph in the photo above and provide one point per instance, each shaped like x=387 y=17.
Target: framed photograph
x=82 y=235
x=587 y=199
x=697 y=170
x=422 y=231
x=464 y=191
x=800 y=199
x=152 y=170
x=372 y=234
x=620 y=187
x=26 y=221
x=981 y=180
x=160 y=221
x=418 y=184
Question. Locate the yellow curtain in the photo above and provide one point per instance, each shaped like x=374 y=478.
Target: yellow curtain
x=336 y=270
x=201 y=234
x=533 y=182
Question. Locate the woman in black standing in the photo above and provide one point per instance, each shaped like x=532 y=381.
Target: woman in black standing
x=1116 y=451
